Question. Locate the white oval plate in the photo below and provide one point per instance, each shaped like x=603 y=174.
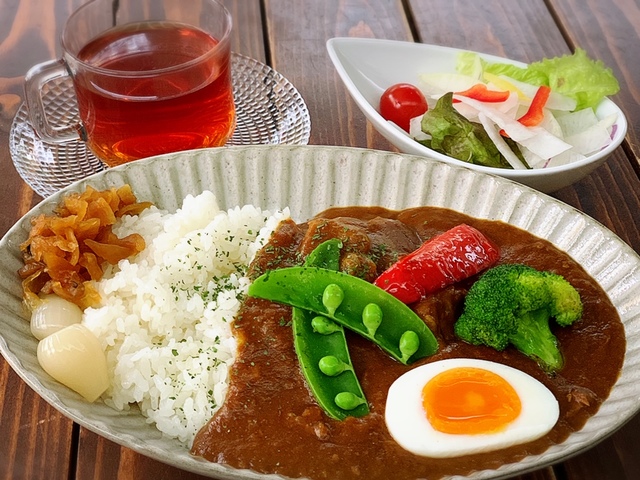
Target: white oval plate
x=309 y=179
x=369 y=66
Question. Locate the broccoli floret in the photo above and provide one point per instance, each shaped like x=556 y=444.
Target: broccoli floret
x=512 y=304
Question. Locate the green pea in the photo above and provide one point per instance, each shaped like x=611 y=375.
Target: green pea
x=324 y=326
x=332 y=366
x=372 y=317
x=408 y=344
x=348 y=400
x=332 y=297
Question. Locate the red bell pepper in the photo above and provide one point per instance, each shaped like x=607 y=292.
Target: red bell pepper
x=535 y=113
x=447 y=258
x=481 y=93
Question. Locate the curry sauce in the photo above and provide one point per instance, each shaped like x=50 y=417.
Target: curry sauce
x=270 y=422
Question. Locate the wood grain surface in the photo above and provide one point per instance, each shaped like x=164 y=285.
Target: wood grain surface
x=36 y=442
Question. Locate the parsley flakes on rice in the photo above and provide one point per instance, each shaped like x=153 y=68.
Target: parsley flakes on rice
x=166 y=314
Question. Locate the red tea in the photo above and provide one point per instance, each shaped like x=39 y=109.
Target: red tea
x=154 y=88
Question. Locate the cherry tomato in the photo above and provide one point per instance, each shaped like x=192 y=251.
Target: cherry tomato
x=402 y=102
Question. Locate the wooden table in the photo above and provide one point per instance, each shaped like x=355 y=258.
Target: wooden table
x=37 y=442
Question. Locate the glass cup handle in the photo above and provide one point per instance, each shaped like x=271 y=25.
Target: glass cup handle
x=35 y=80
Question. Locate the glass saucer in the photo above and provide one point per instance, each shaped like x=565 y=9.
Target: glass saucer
x=269 y=110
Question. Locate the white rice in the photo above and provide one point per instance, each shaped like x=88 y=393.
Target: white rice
x=166 y=314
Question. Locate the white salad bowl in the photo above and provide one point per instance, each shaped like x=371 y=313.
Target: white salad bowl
x=369 y=66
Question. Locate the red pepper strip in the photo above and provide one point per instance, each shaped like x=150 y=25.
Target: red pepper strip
x=447 y=258
x=535 y=113
x=481 y=93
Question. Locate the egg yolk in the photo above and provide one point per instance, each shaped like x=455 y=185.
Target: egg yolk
x=470 y=400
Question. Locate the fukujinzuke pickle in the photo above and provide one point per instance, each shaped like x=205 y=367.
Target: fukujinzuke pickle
x=349 y=296
x=322 y=350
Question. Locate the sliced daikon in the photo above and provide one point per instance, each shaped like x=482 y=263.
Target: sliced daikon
x=415 y=129
x=564 y=158
x=590 y=140
x=516 y=131
x=578 y=121
x=550 y=124
x=437 y=84
x=544 y=144
x=533 y=160
x=503 y=148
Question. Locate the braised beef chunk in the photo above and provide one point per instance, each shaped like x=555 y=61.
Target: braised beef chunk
x=281 y=251
x=352 y=233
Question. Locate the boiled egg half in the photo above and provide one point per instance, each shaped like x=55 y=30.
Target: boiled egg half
x=462 y=406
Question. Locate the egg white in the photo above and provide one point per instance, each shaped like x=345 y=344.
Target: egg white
x=407 y=422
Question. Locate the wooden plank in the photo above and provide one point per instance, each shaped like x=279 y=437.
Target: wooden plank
x=313 y=74
x=109 y=459
x=525 y=31
x=520 y=30
x=609 y=31
x=297 y=34
x=246 y=37
x=610 y=196
x=99 y=458
x=37 y=438
x=40 y=443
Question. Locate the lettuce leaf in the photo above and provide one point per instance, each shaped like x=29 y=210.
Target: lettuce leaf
x=577 y=76
x=453 y=135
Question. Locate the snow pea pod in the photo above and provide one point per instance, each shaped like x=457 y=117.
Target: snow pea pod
x=322 y=350
x=304 y=287
x=326 y=255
